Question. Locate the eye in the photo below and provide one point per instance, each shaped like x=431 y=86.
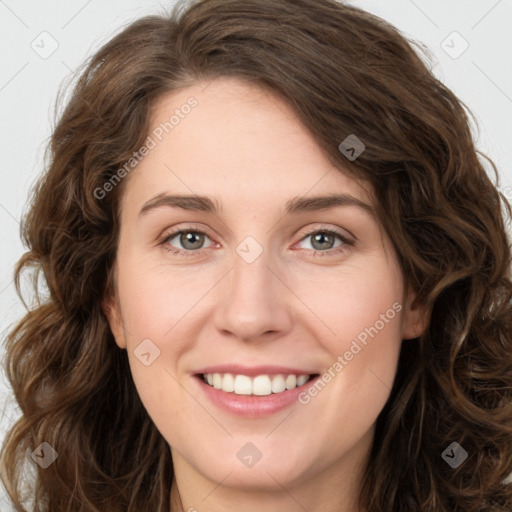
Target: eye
x=324 y=240
x=190 y=240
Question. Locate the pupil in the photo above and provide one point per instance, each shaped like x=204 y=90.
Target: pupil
x=321 y=237
x=188 y=238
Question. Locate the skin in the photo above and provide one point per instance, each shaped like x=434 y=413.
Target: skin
x=298 y=304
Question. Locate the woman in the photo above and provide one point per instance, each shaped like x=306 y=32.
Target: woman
x=257 y=368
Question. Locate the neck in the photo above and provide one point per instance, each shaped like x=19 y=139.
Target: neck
x=176 y=504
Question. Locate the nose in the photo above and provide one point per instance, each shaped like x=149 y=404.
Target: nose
x=255 y=301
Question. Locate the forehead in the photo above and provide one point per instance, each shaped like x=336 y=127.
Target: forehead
x=239 y=143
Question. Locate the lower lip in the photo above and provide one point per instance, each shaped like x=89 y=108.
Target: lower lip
x=253 y=406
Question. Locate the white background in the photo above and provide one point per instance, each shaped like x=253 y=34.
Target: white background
x=481 y=76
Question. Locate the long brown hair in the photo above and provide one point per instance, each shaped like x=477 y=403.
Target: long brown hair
x=344 y=71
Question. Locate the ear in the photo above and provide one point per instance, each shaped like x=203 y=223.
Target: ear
x=416 y=316
x=112 y=311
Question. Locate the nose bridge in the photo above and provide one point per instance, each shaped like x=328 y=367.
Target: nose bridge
x=254 y=301
x=251 y=278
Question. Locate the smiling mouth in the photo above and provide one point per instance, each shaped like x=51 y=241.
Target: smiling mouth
x=259 y=385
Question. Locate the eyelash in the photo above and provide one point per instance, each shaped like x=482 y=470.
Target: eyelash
x=316 y=253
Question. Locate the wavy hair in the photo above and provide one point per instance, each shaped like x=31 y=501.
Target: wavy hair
x=344 y=71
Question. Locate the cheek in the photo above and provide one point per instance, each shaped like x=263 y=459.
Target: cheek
x=159 y=309
x=358 y=321
x=349 y=302
x=158 y=303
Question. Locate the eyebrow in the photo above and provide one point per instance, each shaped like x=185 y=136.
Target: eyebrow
x=293 y=206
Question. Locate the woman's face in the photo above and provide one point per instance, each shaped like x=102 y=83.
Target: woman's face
x=281 y=284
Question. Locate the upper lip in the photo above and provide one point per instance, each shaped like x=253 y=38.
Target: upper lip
x=252 y=371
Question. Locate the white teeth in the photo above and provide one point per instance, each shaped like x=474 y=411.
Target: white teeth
x=291 y=382
x=228 y=383
x=217 y=380
x=243 y=385
x=260 y=385
x=302 y=379
x=278 y=384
